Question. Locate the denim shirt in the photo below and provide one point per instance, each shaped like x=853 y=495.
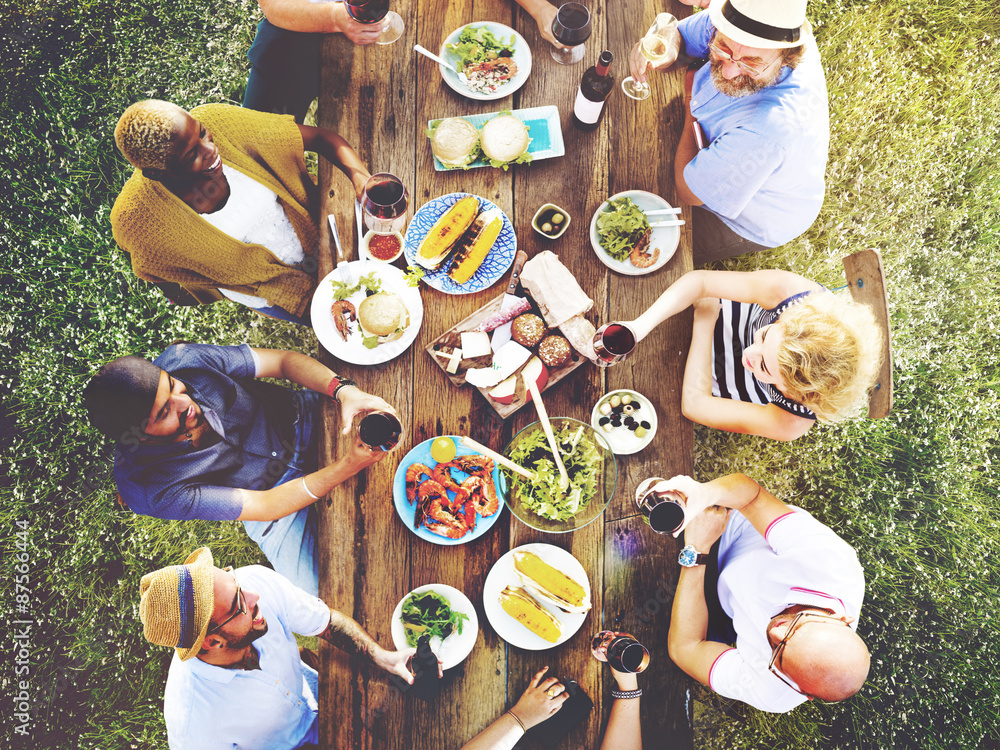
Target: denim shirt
x=256 y=443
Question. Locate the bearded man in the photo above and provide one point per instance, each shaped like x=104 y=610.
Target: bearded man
x=752 y=156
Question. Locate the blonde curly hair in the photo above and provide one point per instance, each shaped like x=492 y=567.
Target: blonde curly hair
x=144 y=131
x=831 y=354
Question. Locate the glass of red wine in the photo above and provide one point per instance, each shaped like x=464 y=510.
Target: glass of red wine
x=380 y=431
x=571 y=28
x=377 y=11
x=384 y=203
x=662 y=509
x=613 y=342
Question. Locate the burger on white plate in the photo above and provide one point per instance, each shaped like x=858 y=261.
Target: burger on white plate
x=504 y=140
x=383 y=318
x=455 y=142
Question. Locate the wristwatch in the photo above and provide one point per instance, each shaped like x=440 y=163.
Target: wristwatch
x=689 y=557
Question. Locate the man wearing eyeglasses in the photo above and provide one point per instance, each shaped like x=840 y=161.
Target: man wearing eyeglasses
x=752 y=155
x=785 y=586
x=236 y=678
x=198 y=436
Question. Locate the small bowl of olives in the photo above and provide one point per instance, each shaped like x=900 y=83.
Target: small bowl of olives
x=626 y=419
x=550 y=221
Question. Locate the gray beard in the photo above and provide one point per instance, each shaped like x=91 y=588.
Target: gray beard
x=741 y=86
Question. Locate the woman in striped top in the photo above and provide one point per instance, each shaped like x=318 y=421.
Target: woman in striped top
x=771 y=351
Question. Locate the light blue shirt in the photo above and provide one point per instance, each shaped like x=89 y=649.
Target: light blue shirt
x=272 y=708
x=762 y=172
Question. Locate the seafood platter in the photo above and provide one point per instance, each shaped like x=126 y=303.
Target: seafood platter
x=451 y=501
x=542 y=333
x=462 y=242
x=536 y=596
x=635 y=232
x=442 y=612
x=365 y=312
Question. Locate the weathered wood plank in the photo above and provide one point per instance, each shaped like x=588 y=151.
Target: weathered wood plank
x=866 y=280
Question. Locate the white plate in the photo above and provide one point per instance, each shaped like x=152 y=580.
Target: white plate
x=543 y=129
x=495 y=265
x=521 y=56
x=622 y=440
x=502 y=574
x=353 y=350
x=665 y=238
x=453 y=649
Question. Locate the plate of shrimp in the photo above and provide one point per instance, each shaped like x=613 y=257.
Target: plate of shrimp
x=450 y=502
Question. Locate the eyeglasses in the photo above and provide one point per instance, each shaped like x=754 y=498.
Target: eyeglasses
x=753 y=70
x=239 y=602
x=779 y=649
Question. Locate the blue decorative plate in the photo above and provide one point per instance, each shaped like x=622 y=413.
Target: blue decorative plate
x=421 y=454
x=497 y=262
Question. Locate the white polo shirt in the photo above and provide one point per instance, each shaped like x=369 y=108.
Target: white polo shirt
x=271 y=708
x=798 y=561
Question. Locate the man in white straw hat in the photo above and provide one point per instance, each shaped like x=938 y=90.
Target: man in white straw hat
x=752 y=155
x=236 y=678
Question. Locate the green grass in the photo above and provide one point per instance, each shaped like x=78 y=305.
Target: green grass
x=915 y=105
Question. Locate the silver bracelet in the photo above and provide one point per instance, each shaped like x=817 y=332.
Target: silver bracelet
x=308 y=491
x=626 y=694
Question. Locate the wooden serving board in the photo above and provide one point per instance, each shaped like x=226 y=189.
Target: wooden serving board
x=451 y=339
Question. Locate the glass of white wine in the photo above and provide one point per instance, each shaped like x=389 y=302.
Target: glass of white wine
x=655 y=47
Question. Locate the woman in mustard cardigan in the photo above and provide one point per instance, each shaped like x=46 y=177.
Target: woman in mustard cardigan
x=221 y=203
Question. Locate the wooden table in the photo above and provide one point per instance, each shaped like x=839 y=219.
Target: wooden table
x=380 y=99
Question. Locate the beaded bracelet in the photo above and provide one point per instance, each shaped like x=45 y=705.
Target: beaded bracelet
x=626 y=693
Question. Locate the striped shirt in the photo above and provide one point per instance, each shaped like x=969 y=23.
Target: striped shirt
x=734 y=330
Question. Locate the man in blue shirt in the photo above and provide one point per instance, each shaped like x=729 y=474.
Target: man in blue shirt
x=752 y=156
x=199 y=437
x=236 y=679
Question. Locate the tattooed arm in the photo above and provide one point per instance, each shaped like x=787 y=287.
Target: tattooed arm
x=349 y=636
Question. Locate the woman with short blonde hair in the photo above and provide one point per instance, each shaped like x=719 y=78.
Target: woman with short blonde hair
x=771 y=351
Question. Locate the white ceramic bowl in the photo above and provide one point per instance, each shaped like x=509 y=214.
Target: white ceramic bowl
x=622 y=440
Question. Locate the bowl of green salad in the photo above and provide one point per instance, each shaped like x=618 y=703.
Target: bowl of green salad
x=540 y=502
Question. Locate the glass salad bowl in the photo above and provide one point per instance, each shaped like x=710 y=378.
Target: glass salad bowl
x=590 y=464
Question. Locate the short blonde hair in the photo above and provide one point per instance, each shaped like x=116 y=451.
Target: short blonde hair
x=144 y=131
x=831 y=354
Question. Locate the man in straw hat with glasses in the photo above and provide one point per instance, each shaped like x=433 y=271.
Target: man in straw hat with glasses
x=236 y=678
x=752 y=155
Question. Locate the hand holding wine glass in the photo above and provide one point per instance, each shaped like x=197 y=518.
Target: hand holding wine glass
x=384 y=203
x=377 y=12
x=659 y=47
x=571 y=27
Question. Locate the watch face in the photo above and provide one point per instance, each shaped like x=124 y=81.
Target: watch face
x=688 y=557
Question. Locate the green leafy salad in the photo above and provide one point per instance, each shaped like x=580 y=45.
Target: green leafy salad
x=429 y=614
x=621 y=227
x=478 y=44
x=369 y=282
x=542 y=495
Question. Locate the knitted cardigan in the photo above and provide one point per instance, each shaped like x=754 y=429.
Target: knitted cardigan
x=169 y=241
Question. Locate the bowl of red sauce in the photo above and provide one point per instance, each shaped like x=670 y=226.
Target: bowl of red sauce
x=382 y=247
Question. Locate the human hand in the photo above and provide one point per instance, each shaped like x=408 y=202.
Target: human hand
x=540 y=700
x=360 y=456
x=359 y=33
x=354 y=401
x=396 y=662
x=544 y=15
x=698 y=496
x=705 y=529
